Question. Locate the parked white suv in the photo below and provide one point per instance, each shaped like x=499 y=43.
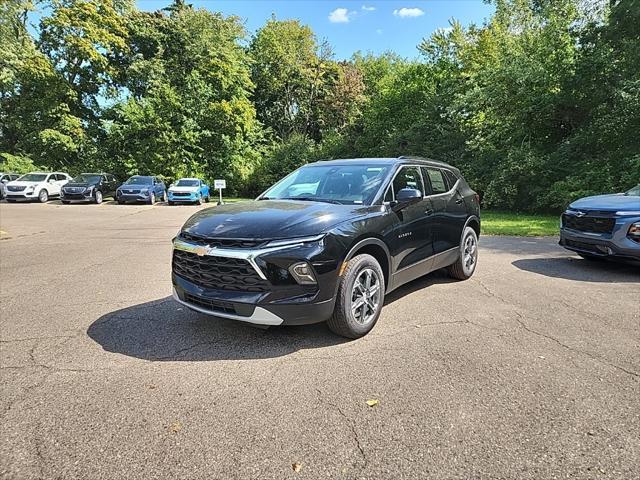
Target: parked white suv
x=36 y=185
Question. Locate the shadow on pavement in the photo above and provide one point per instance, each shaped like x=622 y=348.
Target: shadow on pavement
x=571 y=268
x=164 y=330
x=439 y=276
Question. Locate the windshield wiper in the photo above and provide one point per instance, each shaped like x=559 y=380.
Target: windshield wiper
x=313 y=199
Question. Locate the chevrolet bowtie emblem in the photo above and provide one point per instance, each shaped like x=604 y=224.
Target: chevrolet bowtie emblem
x=201 y=251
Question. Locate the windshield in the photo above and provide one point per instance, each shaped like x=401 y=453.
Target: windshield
x=84 y=178
x=344 y=184
x=187 y=183
x=139 y=181
x=33 y=177
x=635 y=191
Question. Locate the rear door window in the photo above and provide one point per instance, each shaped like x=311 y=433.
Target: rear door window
x=437 y=180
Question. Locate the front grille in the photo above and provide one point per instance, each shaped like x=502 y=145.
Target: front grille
x=218 y=272
x=181 y=194
x=221 y=242
x=129 y=191
x=73 y=189
x=13 y=188
x=209 y=304
x=588 y=247
x=588 y=224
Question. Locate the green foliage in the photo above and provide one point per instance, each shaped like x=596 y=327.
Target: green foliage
x=519 y=224
x=538 y=106
x=16 y=164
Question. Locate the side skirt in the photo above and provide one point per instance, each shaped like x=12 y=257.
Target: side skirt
x=423 y=267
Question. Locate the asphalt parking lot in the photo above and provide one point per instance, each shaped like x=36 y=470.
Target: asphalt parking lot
x=528 y=370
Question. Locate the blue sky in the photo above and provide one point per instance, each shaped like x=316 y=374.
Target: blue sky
x=350 y=26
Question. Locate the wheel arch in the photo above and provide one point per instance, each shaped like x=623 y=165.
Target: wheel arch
x=473 y=222
x=378 y=250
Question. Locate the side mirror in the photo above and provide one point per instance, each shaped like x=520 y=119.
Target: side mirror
x=407 y=196
x=5 y=180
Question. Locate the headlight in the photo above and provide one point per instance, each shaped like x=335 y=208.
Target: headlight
x=30 y=189
x=634 y=232
x=144 y=191
x=294 y=241
x=303 y=273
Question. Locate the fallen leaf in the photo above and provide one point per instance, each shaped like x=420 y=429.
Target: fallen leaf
x=372 y=403
x=296 y=467
x=175 y=427
x=152 y=387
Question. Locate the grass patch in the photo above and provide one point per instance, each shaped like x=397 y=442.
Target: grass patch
x=519 y=224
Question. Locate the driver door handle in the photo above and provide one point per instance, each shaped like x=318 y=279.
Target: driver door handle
x=459 y=201
x=428 y=211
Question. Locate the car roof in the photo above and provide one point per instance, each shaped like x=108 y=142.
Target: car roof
x=188 y=178
x=94 y=173
x=403 y=160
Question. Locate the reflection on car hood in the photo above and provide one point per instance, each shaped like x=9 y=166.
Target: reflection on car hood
x=607 y=202
x=79 y=184
x=184 y=189
x=268 y=219
x=22 y=183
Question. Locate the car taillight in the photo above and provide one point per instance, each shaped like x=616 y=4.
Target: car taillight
x=634 y=232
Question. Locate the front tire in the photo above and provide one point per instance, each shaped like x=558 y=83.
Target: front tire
x=98 y=197
x=152 y=199
x=464 y=267
x=360 y=298
x=43 y=196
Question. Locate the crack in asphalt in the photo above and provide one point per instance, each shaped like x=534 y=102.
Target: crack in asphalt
x=524 y=326
x=352 y=426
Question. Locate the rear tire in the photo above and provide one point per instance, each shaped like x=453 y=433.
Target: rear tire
x=360 y=298
x=43 y=196
x=464 y=267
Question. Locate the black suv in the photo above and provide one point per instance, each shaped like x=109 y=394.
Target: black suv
x=327 y=243
x=89 y=187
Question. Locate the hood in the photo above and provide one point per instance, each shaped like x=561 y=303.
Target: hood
x=269 y=219
x=80 y=184
x=607 y=202
x=17 y=183
x=184 y=189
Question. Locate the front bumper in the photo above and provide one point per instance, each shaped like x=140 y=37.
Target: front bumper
x=280 y=302
x=615 y=244
x=132 y=197
x=23 y=195
x=191 y=197
x=85 y=196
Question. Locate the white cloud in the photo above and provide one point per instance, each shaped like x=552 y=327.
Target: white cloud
x=340 y=15
x=367 y=8
x=379 y=31
x=405 y=12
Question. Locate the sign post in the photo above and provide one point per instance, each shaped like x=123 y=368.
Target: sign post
x=220 y=184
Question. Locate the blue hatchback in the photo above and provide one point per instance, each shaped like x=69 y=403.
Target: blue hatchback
x=189 y=190
x=603 y=226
